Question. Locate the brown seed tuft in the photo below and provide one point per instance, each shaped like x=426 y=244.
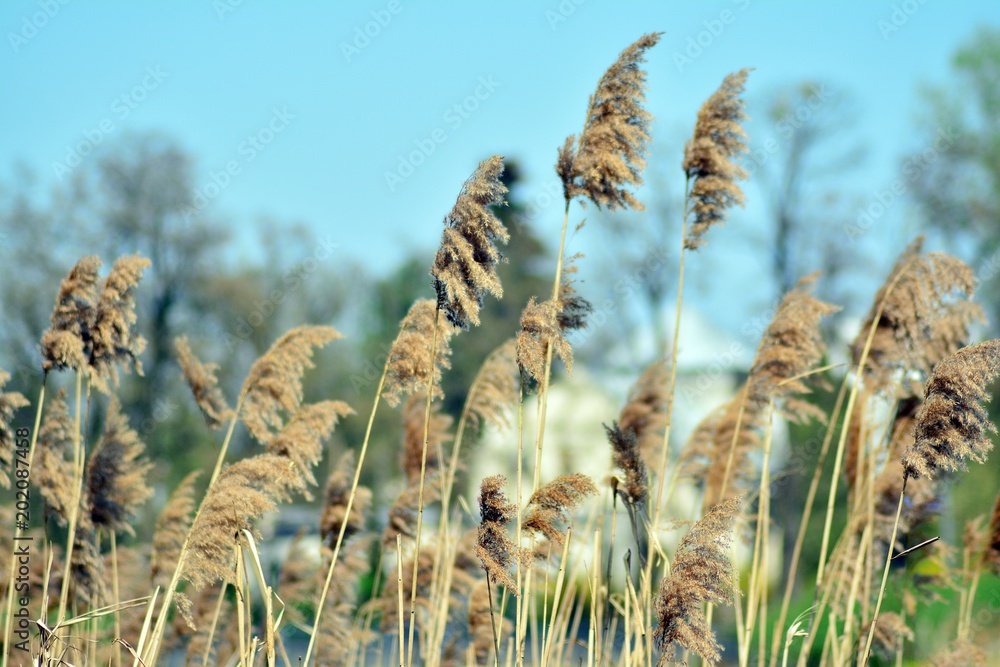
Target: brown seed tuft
x=411 y=368
x=494 y=392
x=464 y=269
x=10 y=402
x=114 y=343
x=201 y=380
x=493 y=546
x=548 y=323
x=551 y=504
x=709 y=158
x=273 y=388
x=243 y=492
x=301 y=439
x=403 y=513
x=67 y=343
x=53 y=470
x=952 y=424
x=701 y=572
x=172 y=527
x=338 y=492
x=926 y=313
x=611 y=153
x=116 y=475
x=413 y=437
x=645 y=412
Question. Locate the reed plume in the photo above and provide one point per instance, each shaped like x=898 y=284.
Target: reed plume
x=53 y=469
x=890 y=634
x=464 y=269
x=116 y=475
x=625 y=456
x=548 y=323
x=952 y=424
x=481 y=618
x=403 y=513
x=87 y=577
x=172 y=526
x=494 y=393
x=701 y=572
x=959 y=654
x=709 y=158
x=114 y=343
x=922 y=496
x=791 y=346
x=550 y=505
x=437 y=426
x=301 y=439
x=272 y=391
x=10 y=402
x=201 y=379
x=243 y=492
x=411 y=368
x=611 y=153
x=493 y=546
x=924 y=312
x=991 y=555
x=644 y=413
x=67 y=343
x=337 y=634
x=336 y=495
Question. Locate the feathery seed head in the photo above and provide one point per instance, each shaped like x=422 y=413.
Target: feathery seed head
x=709 y=158
x=464 y=269
x=611 y=153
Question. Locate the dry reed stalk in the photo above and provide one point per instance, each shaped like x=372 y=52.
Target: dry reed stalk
x=952 y=426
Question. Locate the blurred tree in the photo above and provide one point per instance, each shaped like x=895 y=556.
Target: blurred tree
x=957 y=173
x=798 y=161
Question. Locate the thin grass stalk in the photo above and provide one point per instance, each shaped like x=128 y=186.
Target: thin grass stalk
x=845 y=428
x=804 y=523
x=241 y=611
x=560 y=578
x=399 y=600
x=672 y=381
x=885 y=572
x=18 y=531
x=595 y=605
x=519 y=613
x=117 y=597
x=350 y=504
x=763 y=516
x=78 y=459
x=964 y=628
x=543 y=392
x=863 y=548
x=420 y=492
x=214 y=624
x=493 y=621
x=149 y=657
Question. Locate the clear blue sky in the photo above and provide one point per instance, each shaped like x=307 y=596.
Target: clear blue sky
x=223 y=70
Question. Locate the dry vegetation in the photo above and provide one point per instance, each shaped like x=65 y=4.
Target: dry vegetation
x=530 y=580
